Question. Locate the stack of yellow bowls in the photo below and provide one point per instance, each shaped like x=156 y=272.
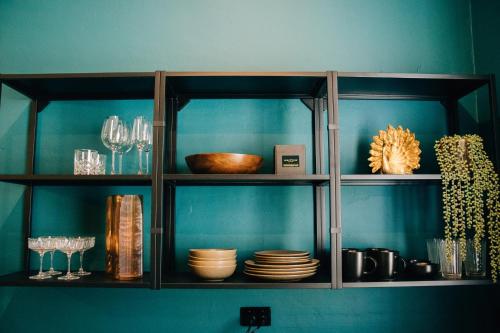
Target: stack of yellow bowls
x=212 y=264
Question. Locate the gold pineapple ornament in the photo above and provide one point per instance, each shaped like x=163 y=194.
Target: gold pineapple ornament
x=395 y=151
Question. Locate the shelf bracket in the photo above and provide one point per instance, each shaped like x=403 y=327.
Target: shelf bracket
x=181 y=103
x=308 y=102
x=158 y=123
x=335 y=231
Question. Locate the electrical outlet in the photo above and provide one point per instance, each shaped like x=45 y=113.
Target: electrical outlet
x=255 y=316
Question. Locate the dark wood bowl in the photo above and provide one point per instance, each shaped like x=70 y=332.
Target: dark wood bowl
x=224 y=163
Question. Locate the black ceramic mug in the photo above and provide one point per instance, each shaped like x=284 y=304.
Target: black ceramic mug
x=389 y=263
x=356 y=264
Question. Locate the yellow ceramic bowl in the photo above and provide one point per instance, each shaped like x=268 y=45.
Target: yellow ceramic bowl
x=213 y=273
x=208 y=263
x=213 y=253
x=190 y=257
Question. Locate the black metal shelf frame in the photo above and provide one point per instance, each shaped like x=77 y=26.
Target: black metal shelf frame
x=310 y=87
x=41 y=89
x=171 y=91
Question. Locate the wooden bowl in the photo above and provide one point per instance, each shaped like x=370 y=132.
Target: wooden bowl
x=224 y=163
x=203 y=254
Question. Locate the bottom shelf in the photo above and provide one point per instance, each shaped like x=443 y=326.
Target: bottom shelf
x=241 y=281
x=96 y=279
x=422 y=283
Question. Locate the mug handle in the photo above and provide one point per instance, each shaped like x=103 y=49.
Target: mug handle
x=404 y=264
x=374 y=266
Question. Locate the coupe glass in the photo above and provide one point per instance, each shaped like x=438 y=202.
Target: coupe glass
x=69 y=246
x=125 y=144
x=38 y=245
x=51 y=246
x=112 y=137
x=142 y=138
x=88 y=243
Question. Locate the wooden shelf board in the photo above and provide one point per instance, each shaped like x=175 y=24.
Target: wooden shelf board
x=423 y=283
x=240 y=281
x=97 y=279
x=244 y=179
x=83 y=86
x=378 y=179
x=365 y=85
x=72 y=180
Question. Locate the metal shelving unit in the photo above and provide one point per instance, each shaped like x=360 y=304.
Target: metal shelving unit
x=171 y=91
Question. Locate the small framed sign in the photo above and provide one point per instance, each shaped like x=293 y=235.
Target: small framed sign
x=290 y=159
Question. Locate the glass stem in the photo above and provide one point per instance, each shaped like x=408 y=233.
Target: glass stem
x=147 y=163
x=113 y=162
x=120 y=163
x=69 y=263
x=41 y=262
x=81 y=260
x=140 y=161
x=52 y=260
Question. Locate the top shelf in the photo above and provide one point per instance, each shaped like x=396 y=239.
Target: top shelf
x=191 y=85
x=83 y=86
x=357 y=85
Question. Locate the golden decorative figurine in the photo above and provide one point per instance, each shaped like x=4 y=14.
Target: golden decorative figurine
x=395 y=152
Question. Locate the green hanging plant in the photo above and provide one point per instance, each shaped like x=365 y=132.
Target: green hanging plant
x=470 y=194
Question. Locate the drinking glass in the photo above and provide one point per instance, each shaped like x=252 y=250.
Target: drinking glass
x=88 y=243
x=125 y=144
x=38 y=245
x=51 y=246
x=69 y=246
x=112 y=137
x=100 y=165
x=450 y=259
x=142 y=138
x=84 y=161
x=475 y=262
x=433 y=250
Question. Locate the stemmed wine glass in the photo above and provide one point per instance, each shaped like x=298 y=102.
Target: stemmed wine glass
x=88 y=243
x=142 y=138
x=125 y=144
x=69 y=246
x=112 y=137
x=38 y=245
x=51 y=246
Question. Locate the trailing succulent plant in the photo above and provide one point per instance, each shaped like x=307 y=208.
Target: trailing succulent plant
x=471 y=204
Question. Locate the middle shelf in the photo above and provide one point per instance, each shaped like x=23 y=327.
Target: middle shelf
x=244 y=179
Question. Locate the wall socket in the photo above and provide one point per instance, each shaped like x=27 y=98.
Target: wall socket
x=255 y=316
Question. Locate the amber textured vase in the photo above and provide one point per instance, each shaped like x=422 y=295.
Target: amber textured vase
x=124 y=236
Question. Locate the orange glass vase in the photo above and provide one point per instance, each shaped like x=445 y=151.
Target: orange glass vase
x=124 y=236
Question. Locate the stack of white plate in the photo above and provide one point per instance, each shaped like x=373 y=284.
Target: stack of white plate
x=212 y=264
x=281 y=265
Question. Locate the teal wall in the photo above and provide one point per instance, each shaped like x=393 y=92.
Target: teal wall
x=388 y=35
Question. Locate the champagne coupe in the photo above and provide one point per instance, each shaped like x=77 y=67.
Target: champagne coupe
x=111 y=136
x=88 y=243
x=125 y=144
x=69 y=246
x=142 y=138
x=38 y=245
x=51 y=245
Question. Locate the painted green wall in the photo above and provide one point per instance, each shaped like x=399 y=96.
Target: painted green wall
x=387 y=35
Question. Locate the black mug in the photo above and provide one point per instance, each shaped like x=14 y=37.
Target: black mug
x=389 y=263
x=356 y=264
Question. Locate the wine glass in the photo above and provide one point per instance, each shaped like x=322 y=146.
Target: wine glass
x=112 y=137
x=142 y=138
x=51 y=245
x=88 y=243
x=38 y=245
x=125 y=144
x=69 y=246
x=148 y=145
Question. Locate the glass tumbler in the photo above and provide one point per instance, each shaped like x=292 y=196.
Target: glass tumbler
x=475 y=262
x=100 y=165
x=433 y=250
x=84 y=161
x=450 y=259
